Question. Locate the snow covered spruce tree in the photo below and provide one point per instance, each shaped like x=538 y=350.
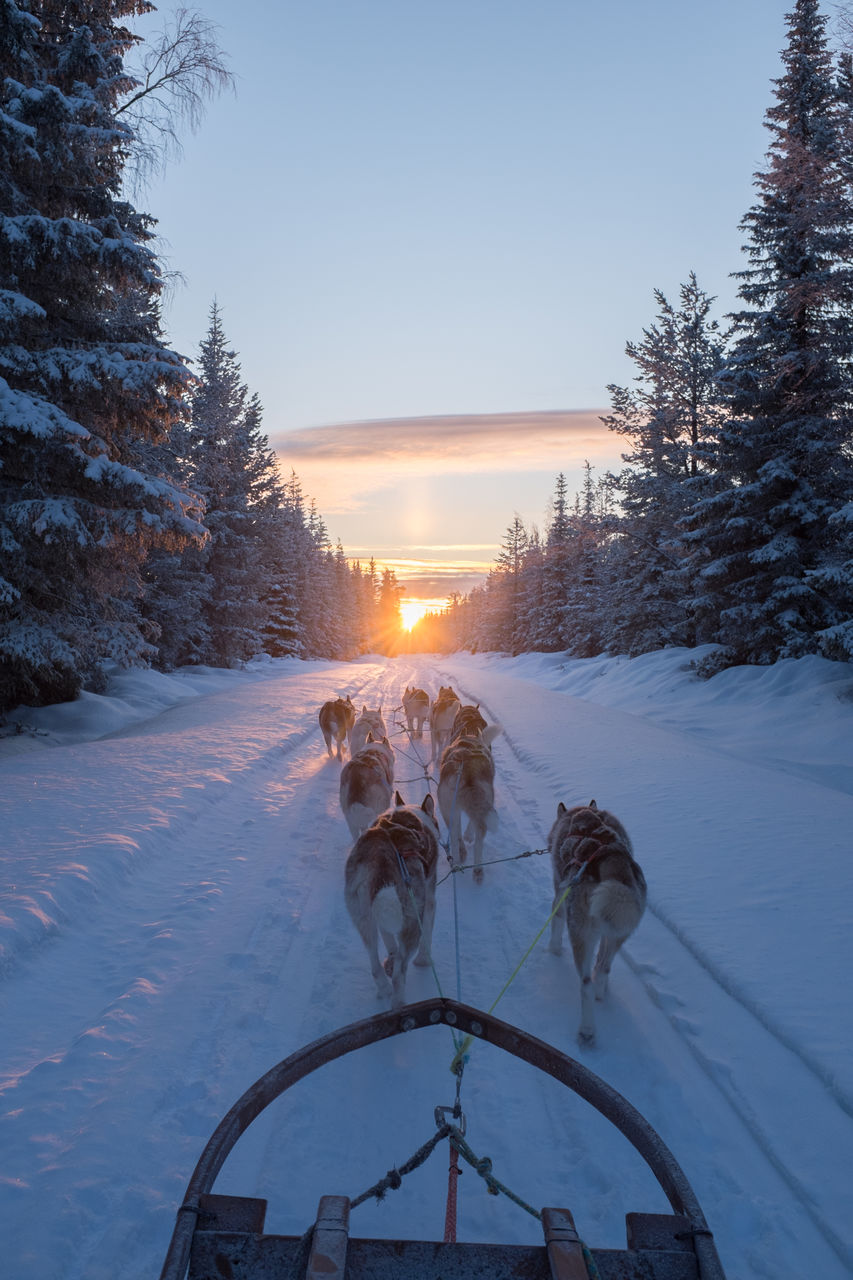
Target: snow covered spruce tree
x=85 y=378
x=779 y=577
x=232 y=467
x=670 y=415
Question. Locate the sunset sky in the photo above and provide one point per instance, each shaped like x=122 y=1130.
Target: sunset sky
x=431 y=229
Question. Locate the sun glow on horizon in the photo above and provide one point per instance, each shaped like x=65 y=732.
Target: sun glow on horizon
x=412 y=611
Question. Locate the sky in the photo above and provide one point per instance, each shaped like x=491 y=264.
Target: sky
x=172 y=925
x=415 y=217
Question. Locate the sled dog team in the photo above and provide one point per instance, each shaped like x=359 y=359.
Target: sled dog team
x=391 y=872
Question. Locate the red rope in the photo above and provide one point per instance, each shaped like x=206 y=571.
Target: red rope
x=452 y=1179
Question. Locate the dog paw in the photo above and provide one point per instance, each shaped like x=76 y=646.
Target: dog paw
x=421 y=961
x=586 y=1038
x=478 y=875
x=556 y=948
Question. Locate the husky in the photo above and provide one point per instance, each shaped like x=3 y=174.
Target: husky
x=416 y=707
x=337 y=718
x=467 y=722
x=367 y=784
x=390 y=890
x=441 y=715
x=592 y=857
x=466 y=785
x=367 y=722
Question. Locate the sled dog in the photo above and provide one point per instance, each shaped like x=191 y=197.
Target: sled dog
x=367 y=784
x=336 y=721
x=441 y=715
x=591 y=852
x=466 y=785
x=416 y=707
x=367 y=722
x=467 y=722
x=390 y=890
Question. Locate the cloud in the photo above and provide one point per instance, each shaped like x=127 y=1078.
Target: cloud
x=547 y=439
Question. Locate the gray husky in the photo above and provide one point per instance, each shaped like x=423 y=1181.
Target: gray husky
x=368 y=722
x=605 y=896
x=416 y=707
x=466 y=785
x=336 y=721
x=367 y=784
x=390 y=890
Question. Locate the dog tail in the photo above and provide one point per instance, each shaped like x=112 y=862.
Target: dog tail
x=387 y=911
x=359 y=818
x=489 y=734
x=617 y=908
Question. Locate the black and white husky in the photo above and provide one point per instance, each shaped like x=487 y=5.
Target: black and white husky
x=603 y=893
x=390 y=890
x=466 y=786
x=336 y=721
x=416 y=708
x=367 y=784
x=368 y=722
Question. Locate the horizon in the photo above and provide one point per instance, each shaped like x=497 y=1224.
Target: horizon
x=437 y=479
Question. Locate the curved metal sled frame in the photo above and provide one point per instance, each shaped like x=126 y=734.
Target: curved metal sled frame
x=473 y=1022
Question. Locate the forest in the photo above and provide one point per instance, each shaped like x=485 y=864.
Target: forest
x=144 y=518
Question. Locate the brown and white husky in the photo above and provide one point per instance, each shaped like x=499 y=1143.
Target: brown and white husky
x=390 y=890
x=337 y=718
x=466 y=786
x=441 y=715
x=367 y=784
x=369 y=721
x=416 y=708
x=604 y=896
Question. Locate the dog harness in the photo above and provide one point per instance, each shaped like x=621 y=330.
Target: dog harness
x=408 y=840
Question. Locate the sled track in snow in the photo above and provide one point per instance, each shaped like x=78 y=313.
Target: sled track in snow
x=527 y=760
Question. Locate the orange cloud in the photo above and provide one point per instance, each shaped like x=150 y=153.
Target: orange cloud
x=546 y=440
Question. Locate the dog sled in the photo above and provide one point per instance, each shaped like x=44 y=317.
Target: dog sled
x=221 y=1237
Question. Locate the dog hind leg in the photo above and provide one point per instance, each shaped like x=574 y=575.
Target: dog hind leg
x=606 y=953
x=558 y=921
x=583 y=948
x=423 y=956
x=362 y=916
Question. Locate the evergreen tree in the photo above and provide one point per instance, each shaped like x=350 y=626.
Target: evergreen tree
x=388 y=613
x=229 y=462
x=556 y=572
x=285 y=544
x=671 y=416
x=584 y=606
x=85 y=377
x=779 y=577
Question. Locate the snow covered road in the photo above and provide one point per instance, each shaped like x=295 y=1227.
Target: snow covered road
x=173 y=924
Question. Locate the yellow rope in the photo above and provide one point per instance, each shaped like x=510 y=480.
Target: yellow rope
x=466 y=1043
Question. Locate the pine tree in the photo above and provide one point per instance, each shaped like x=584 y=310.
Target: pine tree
x=85 y=377
x=229 y=464
x=779 y=577
x=286 y=543
x=670 y=416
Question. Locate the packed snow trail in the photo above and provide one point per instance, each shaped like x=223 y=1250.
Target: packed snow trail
x=178 y=926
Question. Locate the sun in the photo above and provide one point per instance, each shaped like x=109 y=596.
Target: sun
x=412 y=611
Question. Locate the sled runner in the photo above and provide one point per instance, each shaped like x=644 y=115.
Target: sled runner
x=219 y=1236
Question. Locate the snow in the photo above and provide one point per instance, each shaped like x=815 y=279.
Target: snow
x=172 y=925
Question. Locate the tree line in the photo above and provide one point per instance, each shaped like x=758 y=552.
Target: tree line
x=142 y=515
x=732 y=520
